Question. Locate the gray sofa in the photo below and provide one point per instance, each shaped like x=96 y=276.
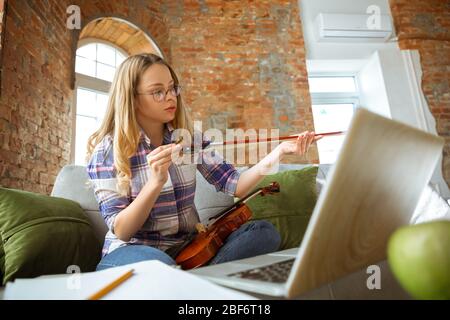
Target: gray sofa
x=72 y=183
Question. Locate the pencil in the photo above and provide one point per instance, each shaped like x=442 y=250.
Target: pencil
x=100 y=293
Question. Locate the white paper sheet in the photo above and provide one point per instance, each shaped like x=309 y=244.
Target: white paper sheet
x=150 y=280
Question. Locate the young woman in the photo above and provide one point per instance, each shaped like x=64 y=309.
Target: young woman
x=147 y=199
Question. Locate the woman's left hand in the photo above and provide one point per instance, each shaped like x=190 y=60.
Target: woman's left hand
x=300 y=146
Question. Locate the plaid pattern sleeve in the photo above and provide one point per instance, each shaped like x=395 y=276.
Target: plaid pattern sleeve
x=103 y=178
x=174 y=215
x=218 y=172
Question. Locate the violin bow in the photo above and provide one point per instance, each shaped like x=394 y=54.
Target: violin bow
x=209 y=144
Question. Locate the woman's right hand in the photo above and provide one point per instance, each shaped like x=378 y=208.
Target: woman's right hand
x=160 y=160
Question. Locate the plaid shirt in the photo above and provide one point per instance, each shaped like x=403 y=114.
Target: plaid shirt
x=174 y=214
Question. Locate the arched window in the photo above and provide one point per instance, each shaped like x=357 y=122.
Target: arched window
x=95 y=66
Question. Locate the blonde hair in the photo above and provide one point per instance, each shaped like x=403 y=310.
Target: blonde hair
x=120 y=119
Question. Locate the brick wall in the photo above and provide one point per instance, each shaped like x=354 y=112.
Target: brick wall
x=242 y=64
x=2 y=22
x=425 y=26
x=35 y=100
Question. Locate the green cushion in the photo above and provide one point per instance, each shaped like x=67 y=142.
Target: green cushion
x=2 y=259
x=43 y=235
x=291 y=208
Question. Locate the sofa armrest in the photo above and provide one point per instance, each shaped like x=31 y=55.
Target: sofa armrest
x=72 y=183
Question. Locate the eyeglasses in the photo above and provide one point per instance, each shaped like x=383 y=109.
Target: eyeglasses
x=159 y=95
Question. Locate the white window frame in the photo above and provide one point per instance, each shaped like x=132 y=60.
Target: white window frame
x=83 y=81
x=335 y=97
x=318 y=98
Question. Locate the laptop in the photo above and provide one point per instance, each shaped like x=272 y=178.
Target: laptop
x=372 y=189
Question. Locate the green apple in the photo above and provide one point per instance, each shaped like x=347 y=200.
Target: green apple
x=419 y=257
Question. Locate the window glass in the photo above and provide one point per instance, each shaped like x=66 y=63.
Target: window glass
x=99 y=61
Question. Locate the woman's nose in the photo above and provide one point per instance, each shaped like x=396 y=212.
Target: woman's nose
x=170 y=97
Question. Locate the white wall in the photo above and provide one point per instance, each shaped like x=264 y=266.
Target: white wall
x=309 y=9
x=402 y=75
x=390 y=85
x=401 y=90
x=372 y=87
x=336 y=66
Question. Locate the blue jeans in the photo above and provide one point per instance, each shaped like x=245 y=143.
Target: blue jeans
x=251 y=239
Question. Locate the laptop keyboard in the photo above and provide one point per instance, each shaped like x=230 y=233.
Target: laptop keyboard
x=276 y=272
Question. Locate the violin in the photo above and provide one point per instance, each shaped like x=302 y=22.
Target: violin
x=209 y=239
